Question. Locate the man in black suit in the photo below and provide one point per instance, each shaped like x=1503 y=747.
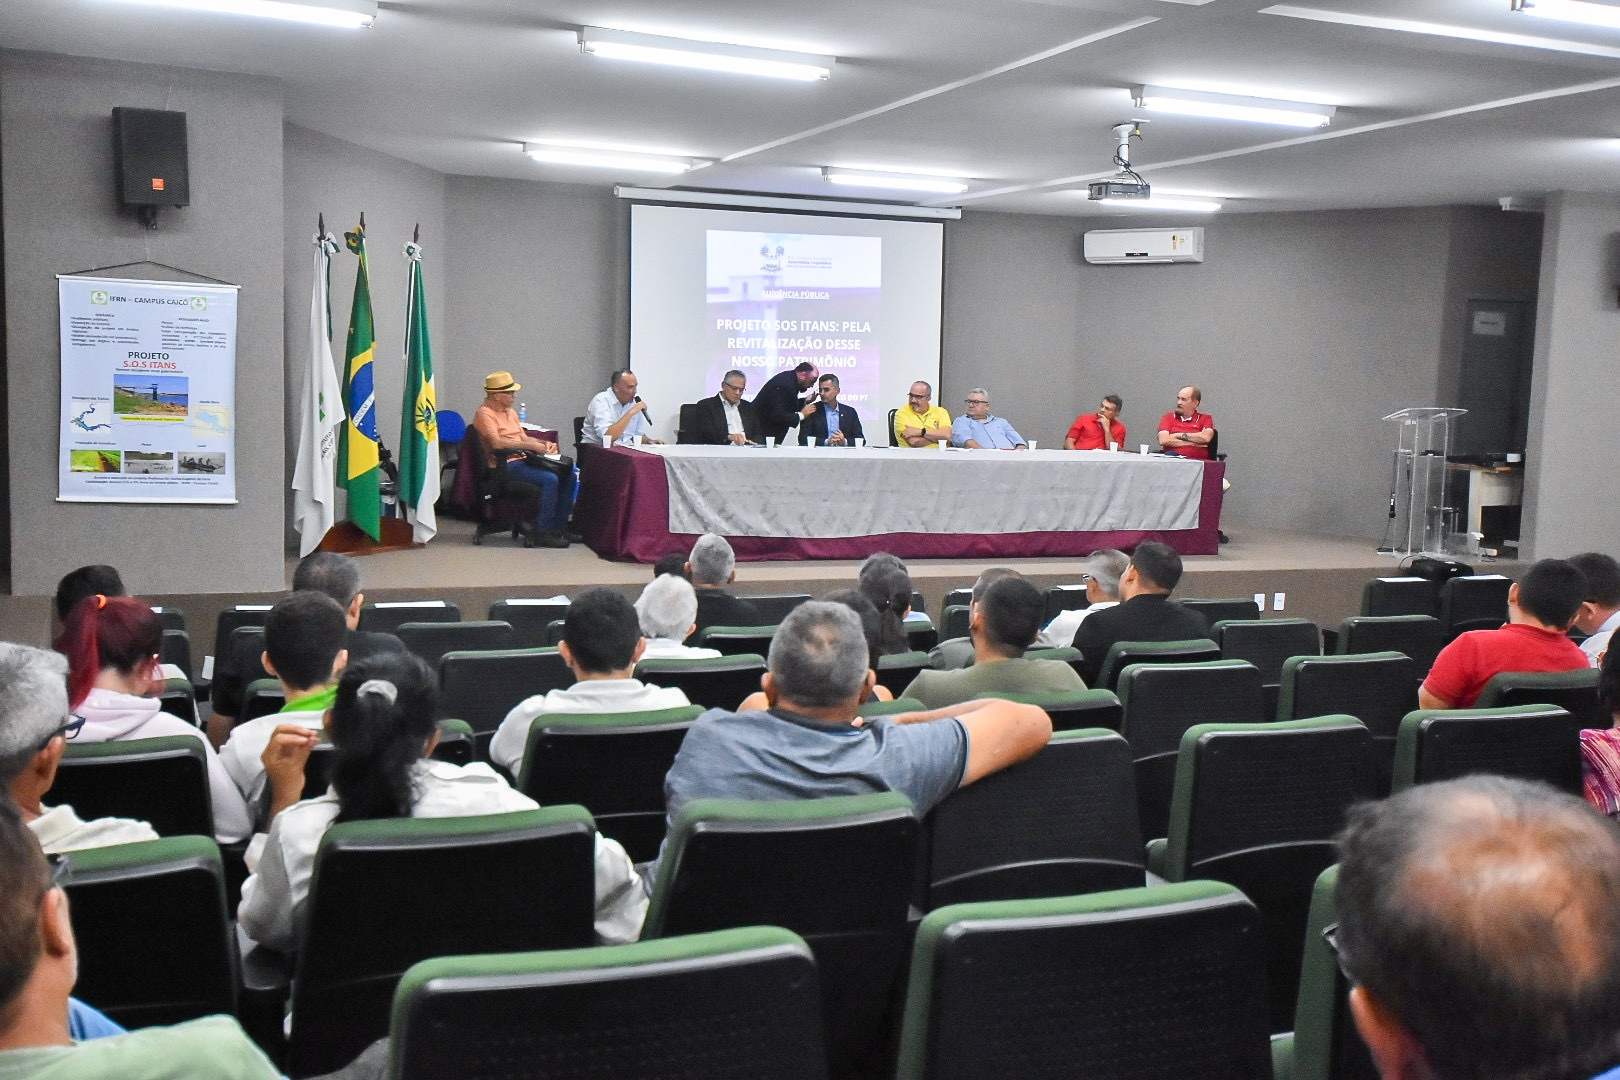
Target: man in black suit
x=713 y=566
x=1145 y=611
x=780 y=403
x=820 y=424
x=726 y=417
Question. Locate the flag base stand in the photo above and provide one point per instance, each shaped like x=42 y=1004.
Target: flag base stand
x=347 y=538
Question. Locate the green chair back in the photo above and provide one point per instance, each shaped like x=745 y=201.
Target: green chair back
x=874 y=708
x=1223 y=609
x=1531 y=742
x=897 y=670
x=261 y=697
x=528 y=619
x=737 y=640
x=1474 y=602
x=720 y=683
x=1576 y=692
x=387 y=618
x=431 y=640
x=1073 y=710
x=163 y=782
x=1400 y=596
x=1121 y=654
x=1376 y=688
x=1324 y=1044
x=1419 y=636
x=482 y=687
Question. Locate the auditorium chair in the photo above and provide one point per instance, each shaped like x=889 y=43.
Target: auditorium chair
x=529 y=618
x=872 y=708
x=1160 y=702
x=503 y=502
x=162 y=781
x=431 y=640
x=554 y=633
x=688 y=423
x=1068 y=654
x=388 y=617
x=179 y=698
x=1233 y=609
x=896 y=671
x=920 y=630
x=727 y=1003
x=1324 y=1044
x=174 y=647
x=225 y=666
x=1530 y=742
x=1073 y=709
x=719 y=683
x=1098 y=985
x=958 y=596
x=1060 y=823
x=1376 y=688
x=774 y=607
x=1576 y=692
x=482 y=687
x=736 y=640
x=1061 y=598
x=953 y=621
x=613 y=764
x=1122 y=654
x=1474 y=602
x=154 y=938
x=1266 y=643
x=837 y=871
x=241 y=664
x=169 y=618
x=1228 y=823
x=1400 y=596
x=261 y=697
x=490 y=883
x=1419 y=636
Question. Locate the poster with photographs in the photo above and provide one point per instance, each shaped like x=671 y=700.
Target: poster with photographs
x=148 y=391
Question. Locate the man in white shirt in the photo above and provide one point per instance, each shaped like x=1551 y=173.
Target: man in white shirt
x=601 y=644
x=1599 y=614
x=616 y=416
x=1104 y=568
x=667 y=609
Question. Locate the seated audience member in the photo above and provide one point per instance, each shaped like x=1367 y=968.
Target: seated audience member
x=1184 y=431
x=957 y=652
x=36 y=981
x=111 y=643
x=1599 y=614
x=1541 y=605
x=601 y=644
x=509 y=445
x=781 y=402
x=78 y=584
x=726 y=418
x=1145 y=611
x=712 y=566
x=871 y=624
x=667 y=609
x=1479 y=923
x=303 y=650
x=978 y=430
x=1103 y=571
x=617 y=416
x=383 y=730
x=811 y=744
x=830 y=424
x=921 y=423
x=1100 y=430
x=1600 y=747
x=888 y=587
x=34 y=728
x=338 y=576
x=674 y=563
x=1003 y=626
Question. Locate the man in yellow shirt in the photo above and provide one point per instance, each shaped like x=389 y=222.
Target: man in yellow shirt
x=920 y=422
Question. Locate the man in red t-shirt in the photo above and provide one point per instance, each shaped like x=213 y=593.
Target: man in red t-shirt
x=1088 y=430
x=1186 y=432
x=1541 y=606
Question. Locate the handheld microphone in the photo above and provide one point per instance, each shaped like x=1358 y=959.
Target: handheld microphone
x=645 y=411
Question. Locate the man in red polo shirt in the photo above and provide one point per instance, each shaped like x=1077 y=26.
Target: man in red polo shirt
x=1541 y=605
x=1186 y=432
x=1100 y=430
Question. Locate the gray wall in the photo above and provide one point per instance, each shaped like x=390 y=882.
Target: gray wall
x=329 y=176
x=1571 y=487
x=60 y=216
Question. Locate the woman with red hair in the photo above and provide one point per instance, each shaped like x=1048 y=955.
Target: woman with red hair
x=111 y=643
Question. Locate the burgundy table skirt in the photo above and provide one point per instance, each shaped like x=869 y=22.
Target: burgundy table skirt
x=623 y=514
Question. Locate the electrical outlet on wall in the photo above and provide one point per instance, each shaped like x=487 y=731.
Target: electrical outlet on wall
x=1277 y=601
x=1260 y=600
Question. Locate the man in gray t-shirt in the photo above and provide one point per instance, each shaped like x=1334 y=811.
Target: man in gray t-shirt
x=811 y=744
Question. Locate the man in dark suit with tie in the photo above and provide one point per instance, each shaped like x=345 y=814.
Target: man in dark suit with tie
x=725 y=418
x=831 y=424
x=780 y=402
x=1145 y=611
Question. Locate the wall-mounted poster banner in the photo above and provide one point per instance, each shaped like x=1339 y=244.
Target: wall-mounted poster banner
x=148 y=391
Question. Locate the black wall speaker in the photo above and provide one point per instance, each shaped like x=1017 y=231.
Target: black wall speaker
x=149 y=147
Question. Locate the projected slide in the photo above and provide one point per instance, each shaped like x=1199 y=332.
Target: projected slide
x=712 y=290
x=779 y=299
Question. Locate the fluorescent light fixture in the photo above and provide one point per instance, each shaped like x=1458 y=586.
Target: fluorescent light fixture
x=347 y=14
x=704 y=55
x=1162 y=201
x=609 y=158
x=751 y=201
x=943 y=185
x=1416 y=26
x=1231 y=106
x=1575 y=11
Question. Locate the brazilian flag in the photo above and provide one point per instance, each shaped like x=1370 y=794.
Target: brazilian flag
x=357 y=447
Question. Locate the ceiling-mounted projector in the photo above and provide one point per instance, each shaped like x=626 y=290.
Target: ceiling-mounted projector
x=1127 y=183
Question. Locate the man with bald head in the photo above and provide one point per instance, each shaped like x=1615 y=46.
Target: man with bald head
x=1184 y=431
x=1479 y=921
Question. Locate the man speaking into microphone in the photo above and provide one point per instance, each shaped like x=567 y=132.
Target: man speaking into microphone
x=616 y=416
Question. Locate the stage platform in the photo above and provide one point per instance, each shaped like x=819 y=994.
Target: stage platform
x=1321 y=577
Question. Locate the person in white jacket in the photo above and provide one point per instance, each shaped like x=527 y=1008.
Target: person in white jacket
x=111 y=644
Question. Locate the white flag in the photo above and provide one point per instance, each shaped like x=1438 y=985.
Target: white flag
x=320 y=411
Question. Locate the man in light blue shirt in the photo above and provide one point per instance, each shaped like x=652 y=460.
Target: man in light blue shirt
x=978 y=430
x=616 y=416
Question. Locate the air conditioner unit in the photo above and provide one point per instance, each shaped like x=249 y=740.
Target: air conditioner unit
x=1121 y=246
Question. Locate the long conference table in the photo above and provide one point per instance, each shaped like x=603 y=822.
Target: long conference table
x=642 y=503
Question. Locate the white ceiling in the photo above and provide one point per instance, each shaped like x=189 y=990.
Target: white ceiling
x=1017 y=94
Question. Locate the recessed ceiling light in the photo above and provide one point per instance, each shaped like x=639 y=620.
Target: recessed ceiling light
x=1466 y=33
x=1576 y=11
x=1231 y=106
x=891 y=181
x=704 y=55
x=348 y=14
x=609 y=158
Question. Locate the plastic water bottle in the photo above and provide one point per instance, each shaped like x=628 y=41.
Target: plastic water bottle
x=523 y=412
